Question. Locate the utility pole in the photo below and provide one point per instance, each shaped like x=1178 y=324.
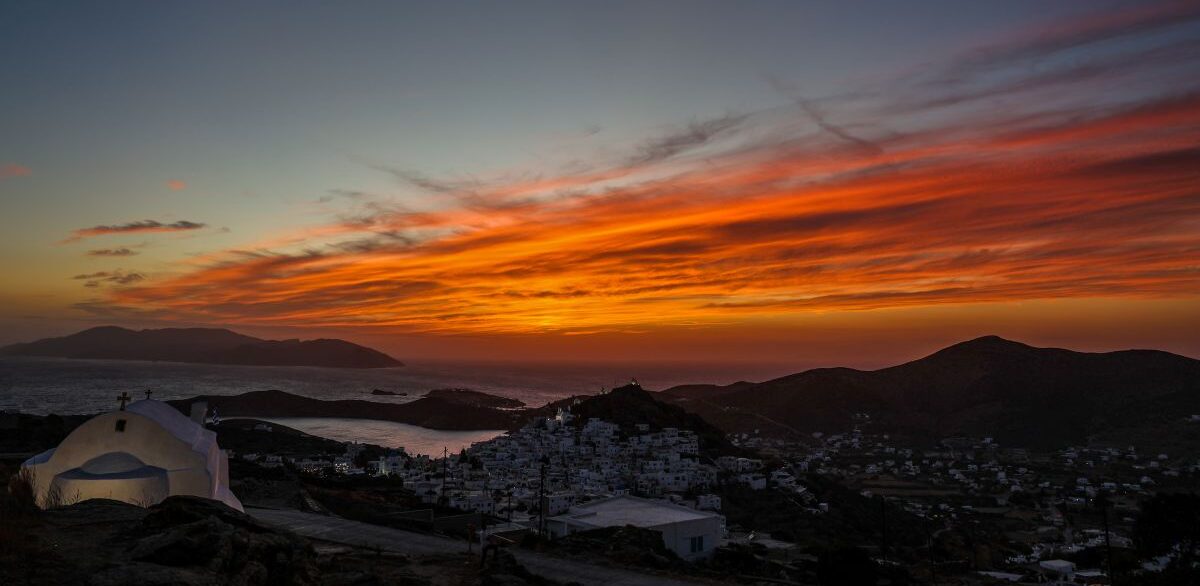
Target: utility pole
x=969 y=532
x=542 y=502
x=883 y=546
x=445 y=464
x=566 y=468
x=1103 y=503
x=932 y=563
x=633 y=479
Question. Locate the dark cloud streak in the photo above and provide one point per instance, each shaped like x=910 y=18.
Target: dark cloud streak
x=141 y=226
x=696 y=134
x=117 y=277
x=1079 y=32
x=112 y=252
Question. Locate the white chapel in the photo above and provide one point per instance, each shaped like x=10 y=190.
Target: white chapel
x=140 y=454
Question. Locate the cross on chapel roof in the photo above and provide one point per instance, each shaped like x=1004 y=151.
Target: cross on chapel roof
x=124 y=398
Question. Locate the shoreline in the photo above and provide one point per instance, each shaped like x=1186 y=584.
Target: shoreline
x=24 y=435
x=414 y=440
x=442 y=412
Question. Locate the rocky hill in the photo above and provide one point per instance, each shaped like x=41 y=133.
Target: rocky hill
x=1022 y=395
x=183 y=540
x=203 y=345
x=474 y=398
x=631 y=405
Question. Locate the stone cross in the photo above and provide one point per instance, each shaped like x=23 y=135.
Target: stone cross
x=148 y=393
x=124 y=398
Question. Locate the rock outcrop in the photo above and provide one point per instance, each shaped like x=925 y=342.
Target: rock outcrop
x=182 y=540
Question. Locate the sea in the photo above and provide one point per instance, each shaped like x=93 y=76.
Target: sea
x=67 y=386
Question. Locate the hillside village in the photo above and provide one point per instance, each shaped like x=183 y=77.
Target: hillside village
x=998 y=513
x=640 y=480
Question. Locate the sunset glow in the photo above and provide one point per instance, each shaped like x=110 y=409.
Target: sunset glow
x=1059 y=161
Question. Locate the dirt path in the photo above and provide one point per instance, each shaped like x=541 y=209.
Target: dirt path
x=338 y=530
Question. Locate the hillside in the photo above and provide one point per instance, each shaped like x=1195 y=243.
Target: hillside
x=1022 y=395
x=630 y=405
x=203 y=345
x=454 y=410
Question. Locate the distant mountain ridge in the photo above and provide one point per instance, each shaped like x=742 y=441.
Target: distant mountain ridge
x=202 y=345
x=989 y=386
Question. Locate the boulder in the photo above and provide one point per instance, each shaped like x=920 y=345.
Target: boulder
x=202 y=533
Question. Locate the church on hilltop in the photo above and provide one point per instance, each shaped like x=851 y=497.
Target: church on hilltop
x=140 y=454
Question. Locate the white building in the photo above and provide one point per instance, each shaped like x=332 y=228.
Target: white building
x=708 y=502
x=473 y=501
x=690 y=533
x=754 y=480
x=389 y=465
x=1061 y=570
x=139 y=455
x=559 y=502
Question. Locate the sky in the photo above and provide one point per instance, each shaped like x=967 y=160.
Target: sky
x=792 y=182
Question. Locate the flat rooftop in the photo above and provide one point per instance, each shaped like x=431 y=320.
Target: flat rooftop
x=626 y=510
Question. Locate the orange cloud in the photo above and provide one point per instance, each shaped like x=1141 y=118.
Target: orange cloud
x=9 y=170
x=176 y=185
x=1047 y=215
x=752 y=219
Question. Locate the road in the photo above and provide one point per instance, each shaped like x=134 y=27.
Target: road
x=345 y=531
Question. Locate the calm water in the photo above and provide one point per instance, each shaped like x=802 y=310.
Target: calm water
x=52 y=385
x=389 y=434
